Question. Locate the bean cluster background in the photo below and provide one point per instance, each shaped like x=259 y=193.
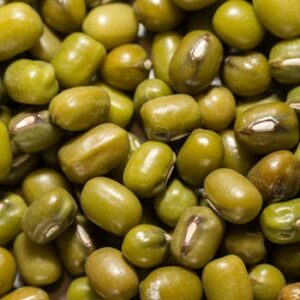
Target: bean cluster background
x=149 y=150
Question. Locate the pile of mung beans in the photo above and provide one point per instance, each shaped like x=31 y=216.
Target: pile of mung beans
x=149 y=150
